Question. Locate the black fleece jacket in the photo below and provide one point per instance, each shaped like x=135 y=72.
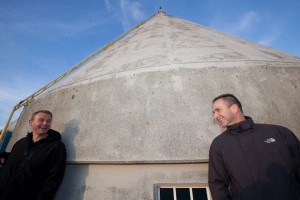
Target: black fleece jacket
x=255 y=161
x=34 y=170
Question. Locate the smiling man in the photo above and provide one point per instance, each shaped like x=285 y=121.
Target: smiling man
x=35 y=167
x=251 y=161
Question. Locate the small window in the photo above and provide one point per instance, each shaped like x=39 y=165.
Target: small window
x=182 y=192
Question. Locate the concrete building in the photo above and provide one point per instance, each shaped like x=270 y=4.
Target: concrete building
x=136 y=120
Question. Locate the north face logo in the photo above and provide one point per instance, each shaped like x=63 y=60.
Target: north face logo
x=270 y=140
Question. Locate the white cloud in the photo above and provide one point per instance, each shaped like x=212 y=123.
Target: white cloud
x=246 y=23
x=248 y=20
x=130 y=11
x=267 y=40
x=137 y=14
x=270 y=37
x=127 y=12
x=263 y=28
x=108 y=6
x=273 y=29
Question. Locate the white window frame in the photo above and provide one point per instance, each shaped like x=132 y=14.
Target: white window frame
x=180 y=185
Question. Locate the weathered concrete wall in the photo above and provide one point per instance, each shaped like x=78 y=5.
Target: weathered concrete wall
x=120 y=182
x=164 y=116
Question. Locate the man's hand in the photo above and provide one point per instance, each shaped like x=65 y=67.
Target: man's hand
x=2 y=162
x=3 y=158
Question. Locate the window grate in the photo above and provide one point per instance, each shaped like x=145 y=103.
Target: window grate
x=182 y=192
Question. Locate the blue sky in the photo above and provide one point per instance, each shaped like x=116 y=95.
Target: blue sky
x=39 y=40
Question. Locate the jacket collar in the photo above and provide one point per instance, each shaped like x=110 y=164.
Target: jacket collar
x=242 y=126
x=52 y=136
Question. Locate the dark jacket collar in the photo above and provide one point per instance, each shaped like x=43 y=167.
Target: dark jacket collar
x=52 y=136
x=242 y=126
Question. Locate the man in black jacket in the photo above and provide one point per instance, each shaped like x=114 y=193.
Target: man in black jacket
x=252 y=161
x=35 y=167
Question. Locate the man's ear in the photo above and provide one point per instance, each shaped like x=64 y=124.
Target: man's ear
x=30 y=122
x=234 y=108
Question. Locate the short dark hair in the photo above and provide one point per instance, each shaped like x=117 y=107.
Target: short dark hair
x=230 y=99
x=41 y=111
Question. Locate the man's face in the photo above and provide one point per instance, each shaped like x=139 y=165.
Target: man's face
x=223 y=114
x=41 y=123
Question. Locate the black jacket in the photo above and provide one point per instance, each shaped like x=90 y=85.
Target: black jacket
x=34 y=170
x=255 y=161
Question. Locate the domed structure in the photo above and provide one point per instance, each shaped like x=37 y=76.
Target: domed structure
x=137 y=117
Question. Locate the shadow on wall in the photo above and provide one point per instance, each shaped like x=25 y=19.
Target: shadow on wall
x=73 y=185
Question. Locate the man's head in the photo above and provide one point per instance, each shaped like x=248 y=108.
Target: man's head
x=40 y=122
x=227 y=110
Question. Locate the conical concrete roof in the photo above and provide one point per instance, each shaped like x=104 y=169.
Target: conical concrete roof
x=148 y=97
